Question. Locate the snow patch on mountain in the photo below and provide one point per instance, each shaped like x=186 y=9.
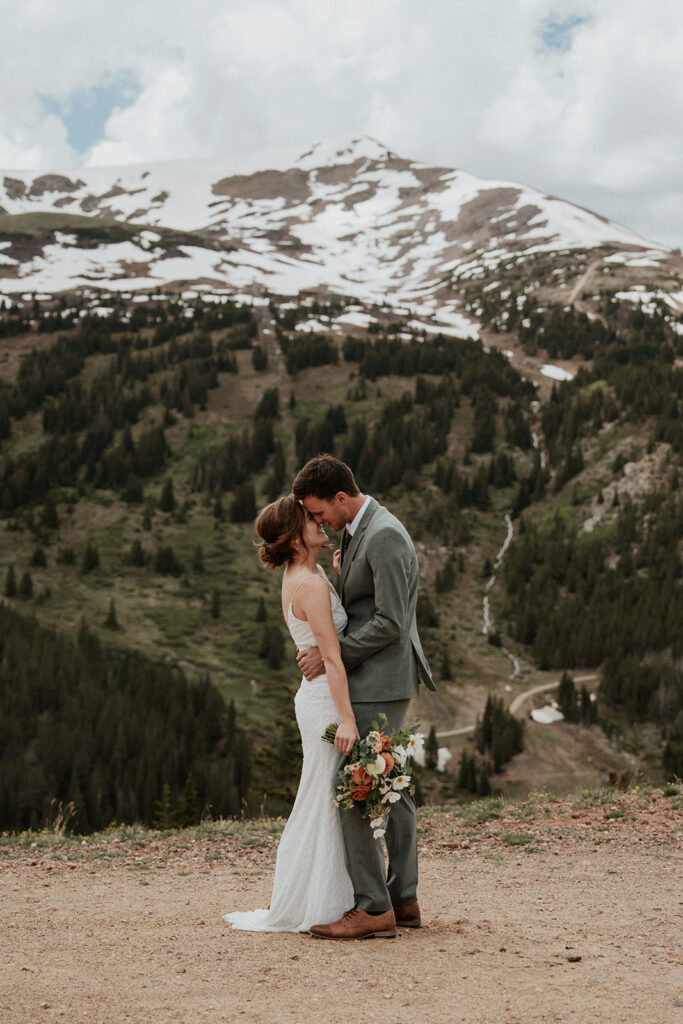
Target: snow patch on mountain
x=347 y=216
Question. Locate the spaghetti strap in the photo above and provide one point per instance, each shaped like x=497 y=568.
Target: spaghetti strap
x=312 y=575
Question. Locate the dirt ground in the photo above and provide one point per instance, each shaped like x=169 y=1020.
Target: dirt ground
x=552 y=911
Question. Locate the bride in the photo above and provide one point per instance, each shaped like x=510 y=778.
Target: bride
x=311 y=884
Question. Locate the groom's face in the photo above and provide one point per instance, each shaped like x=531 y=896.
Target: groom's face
x=334 y=513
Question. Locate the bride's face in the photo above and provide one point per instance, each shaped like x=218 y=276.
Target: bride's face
x=313 y=534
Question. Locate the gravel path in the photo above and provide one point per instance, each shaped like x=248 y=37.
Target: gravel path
x=537 y=912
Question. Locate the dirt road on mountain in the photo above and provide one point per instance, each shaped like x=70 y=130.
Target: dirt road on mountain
x=522 y=697
x=545 y=913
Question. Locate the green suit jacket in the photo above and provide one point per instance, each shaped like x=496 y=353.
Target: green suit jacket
x=381 y=649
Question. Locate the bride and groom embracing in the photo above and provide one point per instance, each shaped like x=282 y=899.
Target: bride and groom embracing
x=361 y=658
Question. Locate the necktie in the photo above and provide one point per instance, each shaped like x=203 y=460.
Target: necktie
x=344 y=545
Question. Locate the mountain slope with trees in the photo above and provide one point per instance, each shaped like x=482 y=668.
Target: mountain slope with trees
x=136 y=446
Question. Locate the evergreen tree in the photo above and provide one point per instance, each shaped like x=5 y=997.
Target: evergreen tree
x=111 y=622
x=167 y=498
x=91 y=557
x=132 y=492
x=165 y=814
x=215 y=604
x=445 y=669
x=499 y=733
x=431 y=750
x=259 y=358
x=25 y=590
x=483 y=779
x=38 y=557
x=50 y=519
x=243 y=507
x=66 y=556
x=260 y=611
x=198 y=559
x=467 y=772
x=165 y=561
x=10 y=583
x=567 y=698
x=137 y=553
x=445 y=577
x=426 y=613
x=588 y=709
x=188 y=809
x=272 y=646
x=275 y=758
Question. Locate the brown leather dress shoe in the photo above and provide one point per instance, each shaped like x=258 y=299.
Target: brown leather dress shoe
x=408 y=916
x=356 y=924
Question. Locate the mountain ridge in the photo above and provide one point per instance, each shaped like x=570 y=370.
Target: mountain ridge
x=348 y=217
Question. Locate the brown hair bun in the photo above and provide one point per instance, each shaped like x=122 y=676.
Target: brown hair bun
x=279 y=525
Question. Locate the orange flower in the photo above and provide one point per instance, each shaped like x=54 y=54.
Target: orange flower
x=360 y=793
x=386 y=741
x=389 y=762
x=360 y=776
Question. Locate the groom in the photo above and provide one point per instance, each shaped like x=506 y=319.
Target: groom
x=384 y=661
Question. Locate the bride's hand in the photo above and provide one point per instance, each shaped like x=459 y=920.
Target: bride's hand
x=336 y=561
x=347 y=735
x=310 y=662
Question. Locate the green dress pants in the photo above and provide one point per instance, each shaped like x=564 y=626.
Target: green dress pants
x=377 y=889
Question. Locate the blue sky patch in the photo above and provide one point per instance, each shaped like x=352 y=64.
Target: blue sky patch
x=86 y=111
x=556 y=33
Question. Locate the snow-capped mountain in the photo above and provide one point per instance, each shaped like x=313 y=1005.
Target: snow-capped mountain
x=351 y=218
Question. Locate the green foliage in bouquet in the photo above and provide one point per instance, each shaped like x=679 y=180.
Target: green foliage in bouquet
x=375 y=771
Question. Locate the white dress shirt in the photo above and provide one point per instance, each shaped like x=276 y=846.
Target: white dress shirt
x=353 y=525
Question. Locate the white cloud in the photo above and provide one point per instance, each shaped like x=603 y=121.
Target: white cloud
x=582 y=98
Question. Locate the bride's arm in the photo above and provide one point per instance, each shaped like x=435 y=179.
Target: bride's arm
x=313 y=600
x=309 y=659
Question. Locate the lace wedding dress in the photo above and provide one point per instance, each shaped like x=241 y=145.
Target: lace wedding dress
x=311 y=884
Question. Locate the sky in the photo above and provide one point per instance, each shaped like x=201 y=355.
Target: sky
x=580 y=98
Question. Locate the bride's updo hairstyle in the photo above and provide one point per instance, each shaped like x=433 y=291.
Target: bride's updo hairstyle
x=279 y=525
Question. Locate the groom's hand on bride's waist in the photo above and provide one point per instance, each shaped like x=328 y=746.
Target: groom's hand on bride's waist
x=310 y=662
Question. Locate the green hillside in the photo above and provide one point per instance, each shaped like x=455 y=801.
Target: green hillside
x=136 y=447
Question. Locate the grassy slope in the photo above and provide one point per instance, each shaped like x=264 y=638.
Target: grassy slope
x=170 y=617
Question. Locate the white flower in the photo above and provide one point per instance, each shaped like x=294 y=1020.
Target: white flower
x=377 y=822
x=349 y=767
x=391 y=797
x=378 y=833
x=384 y=788
x=399 y=754
x=401 y=781
x=376 y=767
x=416 y=742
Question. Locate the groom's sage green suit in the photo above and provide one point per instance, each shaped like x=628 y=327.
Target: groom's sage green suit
x=385 y=663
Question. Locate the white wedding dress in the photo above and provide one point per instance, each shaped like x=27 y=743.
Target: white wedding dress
x=311 y=884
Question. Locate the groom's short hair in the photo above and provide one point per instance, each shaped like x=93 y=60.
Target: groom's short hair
x=323 y=477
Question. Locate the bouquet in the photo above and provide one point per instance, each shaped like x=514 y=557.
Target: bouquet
x=375 y=772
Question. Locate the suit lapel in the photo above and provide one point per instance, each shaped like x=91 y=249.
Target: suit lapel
x=355 y=543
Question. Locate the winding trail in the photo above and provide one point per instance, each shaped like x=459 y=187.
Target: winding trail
x=514 y=706
x=583 y=281
x=519 y=700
